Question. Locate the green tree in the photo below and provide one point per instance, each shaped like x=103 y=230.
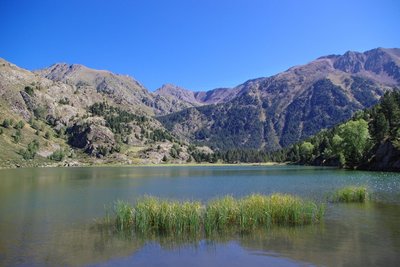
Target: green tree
x=306 y=151
x=380 y=127
x=355 y=140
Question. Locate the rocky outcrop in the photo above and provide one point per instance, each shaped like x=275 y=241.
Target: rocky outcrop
x=94 y=138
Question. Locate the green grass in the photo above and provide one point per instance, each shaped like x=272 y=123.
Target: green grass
x=351 y=194
x=124 y=215
x=162 y=216
x=261 y=211
x=152 y=214
x=221 y=213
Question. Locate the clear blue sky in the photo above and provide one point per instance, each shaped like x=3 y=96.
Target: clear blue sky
x=197 y=44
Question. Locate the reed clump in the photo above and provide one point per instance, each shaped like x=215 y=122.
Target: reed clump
x=221 y=213
x=158 y=215
x=260 y=211
x=124 y=215
x=351 y=194
x=152 y=214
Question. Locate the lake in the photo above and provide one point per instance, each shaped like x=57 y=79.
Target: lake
x=48 y=217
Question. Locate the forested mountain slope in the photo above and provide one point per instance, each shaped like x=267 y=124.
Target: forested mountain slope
x=277 y=111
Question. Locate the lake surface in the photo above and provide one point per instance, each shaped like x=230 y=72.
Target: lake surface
x=47 y=217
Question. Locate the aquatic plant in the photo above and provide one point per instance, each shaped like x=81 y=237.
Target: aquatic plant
x=124 y=215
x=220 y=213
x=152 y=214
x=351 y=194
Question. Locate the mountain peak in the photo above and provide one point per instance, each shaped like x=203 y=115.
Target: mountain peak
x=179 y=93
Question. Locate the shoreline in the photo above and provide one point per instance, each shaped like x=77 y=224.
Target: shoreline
x=205 y=164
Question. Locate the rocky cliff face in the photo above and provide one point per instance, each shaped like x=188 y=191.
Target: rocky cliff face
x=277 y=111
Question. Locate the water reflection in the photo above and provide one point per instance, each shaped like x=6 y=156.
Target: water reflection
x=352 y=235
x=47 y=218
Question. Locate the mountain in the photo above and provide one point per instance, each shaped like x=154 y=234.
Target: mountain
x=82 y=115
x=124 y=90
x=274 y=112
x=187 y=98
x=74 y=114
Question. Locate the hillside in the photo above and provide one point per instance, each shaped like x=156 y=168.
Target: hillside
x=80 y=116
x=274 y=112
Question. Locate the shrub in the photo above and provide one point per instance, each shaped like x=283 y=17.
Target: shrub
x=19 y=125
x=29 y=90
x=58 y=155
x=7 y=123
x=64 y=101
x=31 y=150
x=40 y=112
x=17 y=136
x=351 y=194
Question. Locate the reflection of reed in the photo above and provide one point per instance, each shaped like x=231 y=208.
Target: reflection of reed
x=339 y=241
x=152 y=214
x=85 y=245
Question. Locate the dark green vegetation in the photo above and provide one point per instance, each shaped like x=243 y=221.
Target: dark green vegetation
x=370 y=140
x=31 y=150
x=351 y=194
x=151 y=214
x=116 y=119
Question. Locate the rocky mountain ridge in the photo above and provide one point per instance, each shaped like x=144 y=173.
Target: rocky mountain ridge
x=274 y=112
x=110 y=116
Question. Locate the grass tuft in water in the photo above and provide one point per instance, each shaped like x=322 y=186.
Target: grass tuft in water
x=260 y=211
x=351 y=194
x=221 y=213
x=152 y=214
x=162 y=216
x=124 y=215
